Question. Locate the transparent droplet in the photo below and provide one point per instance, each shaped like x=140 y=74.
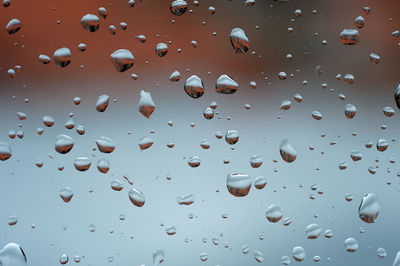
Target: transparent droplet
x=103 y=166
x=316 y=115
x=203 y=257
x=231 y=137
x=239 y=40
x=194 y=161
x=194 y=87
x=185 y=200
x=82 y=163
x=122 y=59
x=12 y=255
x=136 y=197
x=13 y=26
x=350 y=111
x=175 y=76
x=260 y=182
x=349 y=37
x=356 y=155
x=146 y=104
x=226 y=85
x=381 y=252
x=90 y=22
x=44 y=59
x=145 y=143
x=256 y=161
x=298 y=253
x=368 y=210
x=66 y=194
x=161 y=49
x=382 y=145
x=102 y=102
x=359 y=22
x=258 y=256
x=62 y=57
x=238 y=184
x=273 y=213
x=178 y=7
x=351 y=244
x=64 y=259
x=5 y=151
x=287 y=151
x=170 y=230
x=158 y=257
x=313 y=231
x=64 y=144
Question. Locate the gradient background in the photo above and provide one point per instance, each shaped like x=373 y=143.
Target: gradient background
x=32 y=193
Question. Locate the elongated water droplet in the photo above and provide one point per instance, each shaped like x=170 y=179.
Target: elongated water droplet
x=136 y=197
x=12 y=255
x=146 y=104
x=145 y=143
x=350 y=111
x=368 y=210
x=102 y=102
x=13 y=26
x=287 y=151
x=239 y=40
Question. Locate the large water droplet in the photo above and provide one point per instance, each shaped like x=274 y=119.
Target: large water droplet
x=368 y=210
x=5 y=151
x=194 y=87
x=66 y=194
x=12 y=255
x=349 y=37
x=239 y=40
x=102 y=102
x=64 y=144
x=13 y=26
x=273 y=213
x=62 y=57
x=90 y=22
x=226 y=85
x=298 y=253
x=136 y=197
x=178 y=7
x=146 y=104
x=287 y=151
x=238 y=184
x=351 y=244
x=105 y=145
x=122 y=59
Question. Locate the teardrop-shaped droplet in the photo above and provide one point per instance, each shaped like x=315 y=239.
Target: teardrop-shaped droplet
x=238 y=184
x=122 y=59
x=146 y=104
x=287 y=151
x=239 y=40
x=66 y=194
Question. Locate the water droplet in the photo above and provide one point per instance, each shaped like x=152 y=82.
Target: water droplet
x=82 y=163
x=316 y=115
x=356 y=155
x=66 y=194
x=260 y=182
x=90 y=22
x=203 y=257
x=256 y=161
x=13 y=26
x=178 y=7
x=175 y=76
x=161 y=49
x=105 y=145
x=12 y=255
x=102 y=102
x=5 y=151
x=238 y=184
x=194 y=87
x=287 y=151
x=349 y=37
x=136 y=197
x=374 y=58
x=194 y=161
x=122 y=59
x=351 y=244
x=226 y=85
x=381 y=252
x=64 y=144
x=145 y=143
x=273 y=213
x=103 y=166
x=116 y=185
x=258 y=256
x=239 y=40
x=102 y=12
x=285 y=260
x=231 y=137
x=170 y=230
x=44 y=59
x=350 y=111
x=146 y=104
x=64 y=259
x=382 y=145
x=62 y=57
x=298 y=253
x=158 y=257
x=185 y=200
x=313 y=231
x=368 y=210
x=359 y=22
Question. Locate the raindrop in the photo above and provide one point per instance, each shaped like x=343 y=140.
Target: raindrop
x=13 y=26
x=273 y=213
x=313 y=231
x=350 y=111
x=239 y=40
x=226 y=85
x=5 y=151
x=349 y=37
x=90 y=22
x=161 y=49
x=194 y=87
x=136 y=197
x=122 y=59
x=44 y=59
x=368 y=210
x=175 y=76
x=103 y=166
x=287 y=151
x=146 y=104
x=12 y=255
x=258 y=256
x=145 y=143
x=102 y=102
x=178 y=7
x=64 y=144
x=82 y=163
x=351 y=244
x=66 y=194
x=62 y=57
x=238 y=184
x=231 y=137
x=298 y=253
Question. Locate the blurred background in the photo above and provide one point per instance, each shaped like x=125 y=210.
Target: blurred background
x=32 y=193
